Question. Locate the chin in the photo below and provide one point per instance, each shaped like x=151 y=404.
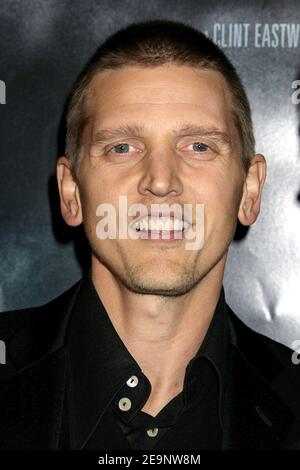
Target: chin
x=160 y=286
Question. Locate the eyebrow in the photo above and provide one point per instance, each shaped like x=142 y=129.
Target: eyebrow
x=129 y=130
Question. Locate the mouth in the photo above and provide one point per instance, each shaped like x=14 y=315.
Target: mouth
x=165 y=229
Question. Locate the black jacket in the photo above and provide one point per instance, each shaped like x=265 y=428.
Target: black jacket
x=262 y=395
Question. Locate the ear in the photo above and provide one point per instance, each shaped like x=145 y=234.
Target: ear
x=252 y=190
x=70 y=204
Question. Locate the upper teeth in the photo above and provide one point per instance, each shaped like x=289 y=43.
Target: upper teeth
x=160 y=224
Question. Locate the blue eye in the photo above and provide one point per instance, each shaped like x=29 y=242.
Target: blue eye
x=124 y=148
x=198 y=146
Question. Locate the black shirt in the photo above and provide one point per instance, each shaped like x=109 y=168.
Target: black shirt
x=107 y=389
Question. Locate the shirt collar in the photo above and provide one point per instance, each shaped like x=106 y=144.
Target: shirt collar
x=100 y=363
x=215 y=344
x=214 y=348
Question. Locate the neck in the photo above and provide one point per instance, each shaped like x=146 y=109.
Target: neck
x=162 y=333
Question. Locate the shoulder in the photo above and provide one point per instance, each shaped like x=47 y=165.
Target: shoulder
x=12 y=320
x=253 y=343
x=270 y=359
x=30 y=334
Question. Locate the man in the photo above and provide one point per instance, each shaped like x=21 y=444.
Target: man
x=143 y=352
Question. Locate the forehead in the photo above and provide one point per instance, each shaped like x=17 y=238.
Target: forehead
x=159 y=95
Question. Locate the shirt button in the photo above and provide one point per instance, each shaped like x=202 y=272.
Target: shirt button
x=124 y=404
x=152 y=432
x=133 y=381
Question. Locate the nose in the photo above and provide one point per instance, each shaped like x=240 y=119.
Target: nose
x=161 y=175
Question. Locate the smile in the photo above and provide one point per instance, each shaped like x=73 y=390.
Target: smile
x=160 y=224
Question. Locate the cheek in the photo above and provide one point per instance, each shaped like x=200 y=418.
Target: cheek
x=98 y=189
x=220 y=196
x=95 y=189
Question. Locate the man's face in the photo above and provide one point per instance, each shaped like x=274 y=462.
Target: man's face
x=159 y=164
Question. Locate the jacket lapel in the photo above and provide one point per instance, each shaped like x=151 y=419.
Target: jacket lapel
x=31 y=405
x=33 y=381
x=254 y=417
